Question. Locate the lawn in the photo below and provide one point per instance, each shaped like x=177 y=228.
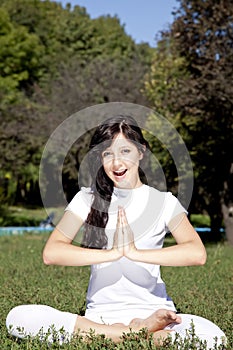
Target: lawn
x=205 y=291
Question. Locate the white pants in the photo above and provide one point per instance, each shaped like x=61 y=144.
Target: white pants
x=39 y=320
x=204 y=329
x=33 y=320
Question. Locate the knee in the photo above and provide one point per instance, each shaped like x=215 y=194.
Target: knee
x=10 y=320
x=13 y=317
x=204 y=329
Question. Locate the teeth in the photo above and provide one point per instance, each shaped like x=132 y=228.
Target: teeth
x=120 y=173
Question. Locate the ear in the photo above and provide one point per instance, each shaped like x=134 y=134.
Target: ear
x=142 y=151
x=140 y=155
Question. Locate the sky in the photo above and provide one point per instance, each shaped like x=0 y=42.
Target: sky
x=142 y=19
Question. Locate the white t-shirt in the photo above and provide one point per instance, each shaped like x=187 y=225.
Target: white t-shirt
x=122 y=290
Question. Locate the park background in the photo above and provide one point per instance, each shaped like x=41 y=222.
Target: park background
x=55 y=60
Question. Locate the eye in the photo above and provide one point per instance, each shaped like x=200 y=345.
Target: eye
x=106 y=154
x=125 y=151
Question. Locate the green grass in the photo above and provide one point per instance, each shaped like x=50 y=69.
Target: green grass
x=205 y=291
x=199 y=220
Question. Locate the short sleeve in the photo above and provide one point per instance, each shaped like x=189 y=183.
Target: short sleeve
x=81 y=203
x=173 y=208
x=75 y=213
x=69 y=224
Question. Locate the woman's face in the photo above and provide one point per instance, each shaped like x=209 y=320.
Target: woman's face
x=121 y=162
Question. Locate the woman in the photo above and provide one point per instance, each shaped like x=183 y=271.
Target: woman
x=124 y=223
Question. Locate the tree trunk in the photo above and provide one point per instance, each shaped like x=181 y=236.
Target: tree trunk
x=216 y=233
x=20 y=193
x=216 y=218
x=227 y=206
x=228 y=221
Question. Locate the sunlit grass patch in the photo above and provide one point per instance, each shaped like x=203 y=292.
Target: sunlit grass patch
x=205 y=291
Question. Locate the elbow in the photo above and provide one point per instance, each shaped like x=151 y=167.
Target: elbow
x=204 y=258
x=47 y=258
x=201 y=257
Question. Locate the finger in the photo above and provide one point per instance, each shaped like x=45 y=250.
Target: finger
x=128 y=233
x=118 y=218
x=117 y=231
x=119 y=228
x=119 y=221
x=124 y=217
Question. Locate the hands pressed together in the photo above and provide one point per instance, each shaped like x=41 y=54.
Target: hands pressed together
x=188 y=251
x=123 y=242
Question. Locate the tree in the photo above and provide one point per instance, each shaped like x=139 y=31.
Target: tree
x=20 y=54
x=20 y=68
x=202 y=37
x=54 y=62
x=102 y=80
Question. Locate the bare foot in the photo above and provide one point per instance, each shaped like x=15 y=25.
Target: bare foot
x=118 y=325
x=157 y=321
x=160 y=336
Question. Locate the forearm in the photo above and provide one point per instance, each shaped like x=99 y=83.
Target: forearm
x=61 y=253
x=184 y=254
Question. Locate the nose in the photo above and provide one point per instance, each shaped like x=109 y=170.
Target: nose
x=116 y=161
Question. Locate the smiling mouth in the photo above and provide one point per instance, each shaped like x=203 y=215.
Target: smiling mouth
x=119 y=173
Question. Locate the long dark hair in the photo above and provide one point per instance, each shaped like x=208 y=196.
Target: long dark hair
x=102 y=186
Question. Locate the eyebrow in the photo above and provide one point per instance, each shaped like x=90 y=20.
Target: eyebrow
x=109 y=148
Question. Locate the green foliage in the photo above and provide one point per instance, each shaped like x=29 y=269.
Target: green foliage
x=67 y=32
x=24 y=279
x=13 y=216
x=26 y=216
x=166 y=69
x=110 y=38
x=20 y=54
x=32 y=216
x=190 y=83
x=55 y=61
x=199 y=220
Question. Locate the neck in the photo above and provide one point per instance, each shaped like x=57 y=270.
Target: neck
x=129 y=186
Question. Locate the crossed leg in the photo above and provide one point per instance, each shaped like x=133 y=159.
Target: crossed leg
x=155 y=324
x=28 y=320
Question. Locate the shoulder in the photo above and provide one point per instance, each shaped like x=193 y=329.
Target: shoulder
x=156 y=194
x=166 y=196
x=83 y=193
x=81 y=202
x=168 y=202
